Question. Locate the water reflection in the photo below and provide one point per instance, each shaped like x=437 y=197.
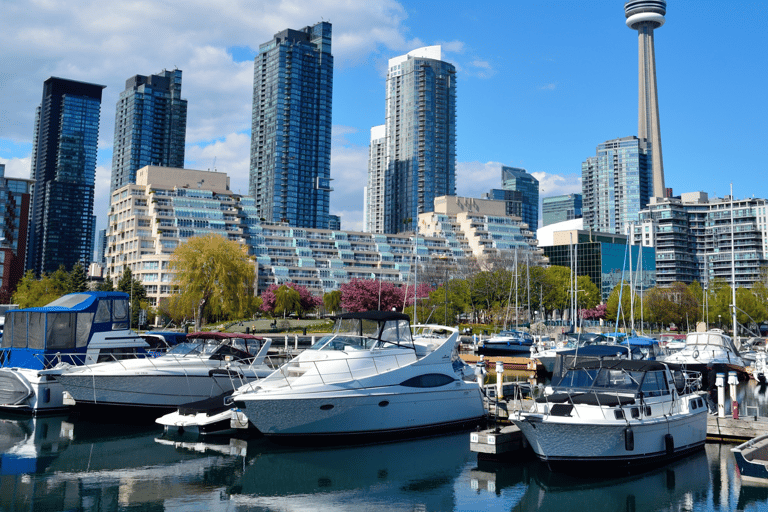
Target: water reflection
x=70 y=464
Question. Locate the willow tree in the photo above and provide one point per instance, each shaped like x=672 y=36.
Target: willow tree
x=214 y=276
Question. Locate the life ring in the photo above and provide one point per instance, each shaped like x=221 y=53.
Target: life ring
x=695 y=354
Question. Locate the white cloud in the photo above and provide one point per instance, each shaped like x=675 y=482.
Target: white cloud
x=473 y=179
x=349 y=170
x=17 y=167
x=557 y=184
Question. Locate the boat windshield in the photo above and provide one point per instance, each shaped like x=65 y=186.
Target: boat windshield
x=600 y=379
x=365 y=334
x=701 y=339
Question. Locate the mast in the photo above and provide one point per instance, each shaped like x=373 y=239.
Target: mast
x=733 y=269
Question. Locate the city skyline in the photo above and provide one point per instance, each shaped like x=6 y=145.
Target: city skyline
x=541 y=96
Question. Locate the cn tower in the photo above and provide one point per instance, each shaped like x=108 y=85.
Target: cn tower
x=645 y=16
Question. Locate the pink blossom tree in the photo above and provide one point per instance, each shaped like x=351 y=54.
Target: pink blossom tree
x=307 y=301
x=370 y=294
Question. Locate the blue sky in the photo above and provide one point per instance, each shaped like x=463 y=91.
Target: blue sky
x=540 y=83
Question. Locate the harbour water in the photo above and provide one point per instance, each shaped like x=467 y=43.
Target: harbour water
x=67 y=463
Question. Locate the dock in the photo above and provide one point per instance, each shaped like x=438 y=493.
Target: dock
x=519 y=364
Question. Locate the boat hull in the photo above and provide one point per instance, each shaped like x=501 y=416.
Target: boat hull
x=23 y=390
x=372 y=413
x=570 y=444
x=752 y=460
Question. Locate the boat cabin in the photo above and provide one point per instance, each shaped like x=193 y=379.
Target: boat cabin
x=368 y=330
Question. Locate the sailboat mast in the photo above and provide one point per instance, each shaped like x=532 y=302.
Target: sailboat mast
x=733 y=269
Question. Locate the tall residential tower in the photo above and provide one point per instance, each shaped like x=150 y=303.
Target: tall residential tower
x=645 y=16
x=420 y=139
x=291 y=131
x=64 y=171
x=150 y=126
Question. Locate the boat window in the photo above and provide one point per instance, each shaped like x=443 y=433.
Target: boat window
x=36 y=328
x=429 y=380
x=60 y=333
x=120 y=315
x=655 y=384
x=618 y=379
x=182 y=349
x=679 y=379
x=577 y=378
x=103 y=311
x=18 y=337
x=84 y=324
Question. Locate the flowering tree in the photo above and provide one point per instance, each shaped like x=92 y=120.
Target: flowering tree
x=287 y=302
x=370 y=295
x=597 y=313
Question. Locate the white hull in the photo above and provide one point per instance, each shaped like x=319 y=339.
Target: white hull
x=24 y=390
x=368 y=411
x=569 y=441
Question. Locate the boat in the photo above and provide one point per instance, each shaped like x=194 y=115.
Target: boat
x=701 y=348
x=75 y=329
x=616 y=413
x=507 y=343
x=207 y=364
x=548 y=356
x=752 y=460
x=368 y=380
x=212 y=416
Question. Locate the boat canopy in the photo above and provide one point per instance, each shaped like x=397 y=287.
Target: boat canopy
x=68 y=322
x=368 y=329
x=648 y=377
x=710 y=338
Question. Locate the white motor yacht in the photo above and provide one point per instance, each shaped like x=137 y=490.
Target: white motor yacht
x=75 y=329
x=368 y=379
x=616 y=413
x=206 y=365
x=701 y=348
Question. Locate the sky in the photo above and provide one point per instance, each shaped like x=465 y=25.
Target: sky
x=539 y=83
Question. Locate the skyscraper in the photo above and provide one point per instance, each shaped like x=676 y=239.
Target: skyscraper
x=515 y=178
x=14 y=225
x=291 y=131
x=645 y=16
x=150 y=126
x=560 y=208
x=377 y=170
x=420 y=132
x=64 y=171
x=616 y=184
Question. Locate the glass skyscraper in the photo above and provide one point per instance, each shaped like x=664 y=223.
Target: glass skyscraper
x=14 y=223
x=515 y=178
x=420 y=133
x=64 y=171
x=150 y=126
x=291 y=132
x=561 y=208
x=616 y=183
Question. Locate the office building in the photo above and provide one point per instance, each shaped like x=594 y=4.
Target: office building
x=561 y=208
x=515 y=178
x=513 y=199
x=14 y=223
x=616 y=184
x=645 y=16
x=63 y=171
x=150 y=126
x=290 y=170
x=419 y=138
x=604 y=257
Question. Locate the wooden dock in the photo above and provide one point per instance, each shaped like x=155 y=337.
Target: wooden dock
x=729 y=430
x=520 y=364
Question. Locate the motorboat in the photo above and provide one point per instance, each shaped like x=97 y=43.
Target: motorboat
x=370 y=379
x=548 y=356
x=206 y=365
x=752 y=460
x=507 y=343
x=618 y=412
x=212 y=416
x=75 y=329
x=702 y=348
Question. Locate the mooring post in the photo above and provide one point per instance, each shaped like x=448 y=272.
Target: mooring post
x=733 y=381
x=720 y=383
x=499 y=380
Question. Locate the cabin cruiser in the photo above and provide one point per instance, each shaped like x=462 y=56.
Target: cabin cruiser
x=369 y=379
x=75 y=329
x=548 y=355
x=616 y=413
x=507 y=343
x=207 y=364
x=701 y=348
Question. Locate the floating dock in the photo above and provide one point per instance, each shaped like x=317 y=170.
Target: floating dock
x=520 y=364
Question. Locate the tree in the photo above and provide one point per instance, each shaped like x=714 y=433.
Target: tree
x=215 y=276
x=277 y=302
x=370 y=295
x=612 y=304
x=77 y=280
x=136 y=292
x=31 y=292
x=332 y=301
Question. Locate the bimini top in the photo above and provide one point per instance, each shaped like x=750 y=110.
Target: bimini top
x=77 y=302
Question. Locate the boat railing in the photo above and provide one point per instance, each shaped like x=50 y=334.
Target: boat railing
x=49 y=361
x=337 y=370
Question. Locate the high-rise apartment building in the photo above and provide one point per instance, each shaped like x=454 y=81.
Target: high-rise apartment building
x=561 y=208
x=150 y=126
x=515 y=178
x=616 y=184
x=14 y=223
x=420 y=141
x=645 y=16
x=291 y=130
x=64 y=171
x=377 y=169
